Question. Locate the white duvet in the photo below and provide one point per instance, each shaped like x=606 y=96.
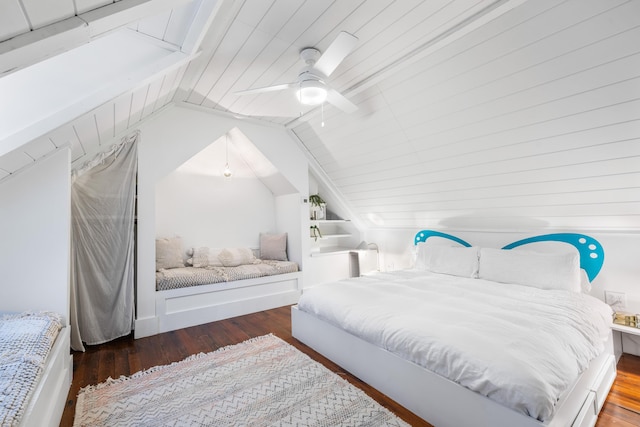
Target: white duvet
x=520 y=346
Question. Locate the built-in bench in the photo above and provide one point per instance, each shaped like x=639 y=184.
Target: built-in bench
x=218 y=283
x=184 y=277
x=195 y=305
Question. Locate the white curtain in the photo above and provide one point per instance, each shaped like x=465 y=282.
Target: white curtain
x=102 y=246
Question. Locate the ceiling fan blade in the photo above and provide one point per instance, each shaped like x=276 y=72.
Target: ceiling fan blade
x=335 y=53
x=337 y=99
x=265 y=89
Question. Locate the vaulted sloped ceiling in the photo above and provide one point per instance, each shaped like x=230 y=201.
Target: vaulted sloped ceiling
x=96 y=130
x=530 y=121
x=471 y=113
x=83 y=72
x=492 y=114
x=259 y=45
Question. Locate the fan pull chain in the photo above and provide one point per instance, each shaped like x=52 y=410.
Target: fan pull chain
x=322 y=109
x=300 y=97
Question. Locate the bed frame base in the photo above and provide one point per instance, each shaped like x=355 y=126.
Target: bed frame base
x=50 y=396
x=442 y=402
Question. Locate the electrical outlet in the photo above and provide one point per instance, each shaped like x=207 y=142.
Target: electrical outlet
x=617 y=300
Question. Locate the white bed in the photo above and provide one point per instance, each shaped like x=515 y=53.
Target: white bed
x=37 y=396
x=442 y=368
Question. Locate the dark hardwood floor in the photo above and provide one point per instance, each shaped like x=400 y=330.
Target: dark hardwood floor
x=126 y=356
x=622 y=407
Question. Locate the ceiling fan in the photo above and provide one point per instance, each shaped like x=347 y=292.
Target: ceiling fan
x=311 y=87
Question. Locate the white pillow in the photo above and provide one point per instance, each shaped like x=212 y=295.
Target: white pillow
x=233 y=257
x=454 y=260
x=273 y=246
x=585 y=283
x=206 y=257
x=544 y=271
x=169 y=253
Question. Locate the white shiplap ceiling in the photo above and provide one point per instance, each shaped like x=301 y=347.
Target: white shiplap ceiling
x=476 y=111
x=261 y=44
x=486 y=114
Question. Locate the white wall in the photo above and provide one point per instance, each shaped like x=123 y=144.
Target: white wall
x=167 y=141
x=205 y=209
x=34 y=247
x=290 y=211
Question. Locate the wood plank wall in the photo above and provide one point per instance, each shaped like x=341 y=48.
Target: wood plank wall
x=534 y=115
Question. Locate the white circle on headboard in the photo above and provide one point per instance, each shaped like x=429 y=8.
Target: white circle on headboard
x=592 y=247
x=582 y=240
x=593 y=255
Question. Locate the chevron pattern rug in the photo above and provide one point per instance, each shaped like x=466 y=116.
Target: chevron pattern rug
x=260 y=382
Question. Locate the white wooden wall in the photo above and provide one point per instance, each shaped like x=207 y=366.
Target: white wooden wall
x=35 y=211
x=198 y=204
x=530 y=121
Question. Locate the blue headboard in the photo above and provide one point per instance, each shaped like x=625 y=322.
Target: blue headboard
x=590 y=250
x=423 y=235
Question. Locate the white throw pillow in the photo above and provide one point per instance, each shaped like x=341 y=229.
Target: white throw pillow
x=585 y=283
x=233 y=257
x=454 y=260
x=206 y=257
x=169 y=253
x=273 y=246
x=544 y=271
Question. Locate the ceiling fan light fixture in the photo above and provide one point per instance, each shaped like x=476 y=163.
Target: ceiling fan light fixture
x=312 y=92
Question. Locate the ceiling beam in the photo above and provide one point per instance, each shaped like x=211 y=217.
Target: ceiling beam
x=121 y=13
x=201 y=22
x=37 y=45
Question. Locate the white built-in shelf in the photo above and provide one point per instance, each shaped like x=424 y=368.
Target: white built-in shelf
x=332 y=229
x=335 y=237
x=330 y=250
x=625 y=329
x=332 y=236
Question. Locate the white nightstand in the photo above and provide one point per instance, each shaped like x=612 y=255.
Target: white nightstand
x=625 y=329
x=619 y=339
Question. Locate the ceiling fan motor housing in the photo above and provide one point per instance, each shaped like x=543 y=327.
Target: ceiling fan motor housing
x=310 y=55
